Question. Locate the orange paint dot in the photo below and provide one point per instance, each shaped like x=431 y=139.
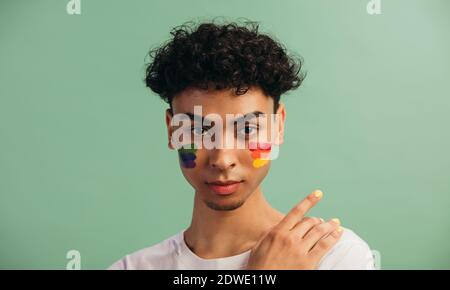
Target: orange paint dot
x=259 y=163
x=260 y=153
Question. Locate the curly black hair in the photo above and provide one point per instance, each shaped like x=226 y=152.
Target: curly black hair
x=226 y=55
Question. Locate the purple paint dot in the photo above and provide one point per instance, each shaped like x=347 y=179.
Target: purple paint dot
x=189 y=164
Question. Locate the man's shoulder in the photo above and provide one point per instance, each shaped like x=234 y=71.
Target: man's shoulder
x=152 y=257
x=350 y=252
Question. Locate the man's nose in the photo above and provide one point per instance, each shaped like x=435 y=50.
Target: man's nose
x=222 y=159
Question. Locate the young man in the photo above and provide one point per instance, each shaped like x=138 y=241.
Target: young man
x=235 y=70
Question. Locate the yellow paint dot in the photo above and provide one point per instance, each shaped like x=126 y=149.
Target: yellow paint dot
x=259 y=162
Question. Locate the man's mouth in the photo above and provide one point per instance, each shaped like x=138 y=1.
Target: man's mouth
x=224 y=187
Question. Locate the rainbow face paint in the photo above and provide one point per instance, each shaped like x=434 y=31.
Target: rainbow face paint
x=187 y=156
x=260 y=153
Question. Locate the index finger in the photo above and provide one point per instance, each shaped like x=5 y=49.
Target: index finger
x=297 y=213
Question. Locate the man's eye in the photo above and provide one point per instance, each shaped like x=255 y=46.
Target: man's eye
x=247 y=130
x=199 y=131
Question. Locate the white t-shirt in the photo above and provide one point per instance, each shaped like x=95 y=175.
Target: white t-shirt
x=350 y=252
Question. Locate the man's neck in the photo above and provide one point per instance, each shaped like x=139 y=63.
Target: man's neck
x=215 y=234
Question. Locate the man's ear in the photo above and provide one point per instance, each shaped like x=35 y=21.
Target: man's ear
x=169 y=116
x=281 y=116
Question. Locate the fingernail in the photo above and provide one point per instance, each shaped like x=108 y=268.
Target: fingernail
x=336 y=220
x=340 y=229
x=318 y=193
x=321 y=219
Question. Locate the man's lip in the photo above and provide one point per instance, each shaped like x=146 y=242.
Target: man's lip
x=224 y=187
x=223 y=182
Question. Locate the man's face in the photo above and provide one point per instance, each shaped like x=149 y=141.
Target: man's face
x=224 y=178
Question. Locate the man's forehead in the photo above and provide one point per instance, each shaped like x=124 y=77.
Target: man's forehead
x=222 y=102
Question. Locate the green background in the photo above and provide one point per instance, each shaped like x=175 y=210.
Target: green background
x=84 y=162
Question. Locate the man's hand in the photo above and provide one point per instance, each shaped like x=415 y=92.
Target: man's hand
x=296 y=242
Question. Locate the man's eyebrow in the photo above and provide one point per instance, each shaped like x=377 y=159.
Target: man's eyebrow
x=247 y=117
x=194 y=117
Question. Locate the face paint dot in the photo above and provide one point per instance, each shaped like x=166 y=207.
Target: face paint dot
x=265 y=146
x=186 y=151
x=256 y=154
x=187 y=156
x=260 y=153
x=259 y=163
x=189 y=164
x=260 y=146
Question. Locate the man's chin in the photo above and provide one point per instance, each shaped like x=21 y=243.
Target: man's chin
x=224 y=206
